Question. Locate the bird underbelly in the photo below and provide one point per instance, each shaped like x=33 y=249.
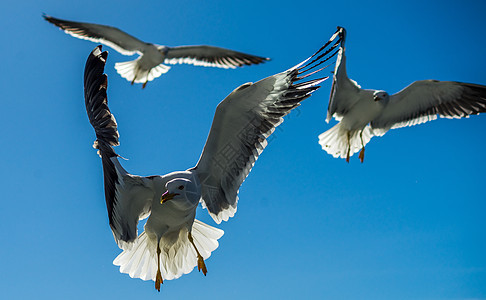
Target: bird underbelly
x=150 y=58
x=168 y=218
x=351 y=122
x=360 y=116
x=166 y=235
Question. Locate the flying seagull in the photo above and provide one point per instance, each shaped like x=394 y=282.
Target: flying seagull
x=173 y=242
x=363 y=114
x=153 y=58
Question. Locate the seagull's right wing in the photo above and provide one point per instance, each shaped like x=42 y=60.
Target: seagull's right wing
x=107 y=35
x=242 y=123
x=210 y=56
x=343 y=90
x=128 y=197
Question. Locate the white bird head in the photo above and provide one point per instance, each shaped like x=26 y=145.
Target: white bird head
x=380 y=96
x=182 y=192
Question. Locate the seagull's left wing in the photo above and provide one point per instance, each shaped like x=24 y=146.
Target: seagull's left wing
x=242 y=123
x=128 y=197
x=424 y=100
x=107 y=35
x=209 y=56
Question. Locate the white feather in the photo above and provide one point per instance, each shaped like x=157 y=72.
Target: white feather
x=176 y=258
x=335 y=140
x=130 y=70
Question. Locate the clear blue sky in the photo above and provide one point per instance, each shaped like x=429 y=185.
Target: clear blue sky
x=409 y=223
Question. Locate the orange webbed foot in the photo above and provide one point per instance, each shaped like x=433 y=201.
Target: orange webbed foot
x=201 y=265
x=158 y=280
x=361 y=154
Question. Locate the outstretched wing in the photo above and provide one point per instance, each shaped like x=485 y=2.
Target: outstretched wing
x=242 y=123
x=424 y=100
x=344 y=91
x=128 y=197
x=107 y=35
x=209 y=56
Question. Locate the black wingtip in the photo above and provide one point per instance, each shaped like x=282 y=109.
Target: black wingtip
x=48 y=18
x=256 y=60
x=55 y=21
x=98 y=55
x=326 y=52
x=342 y=34
x=99 y=115
x=98 y=51
x=95 y=65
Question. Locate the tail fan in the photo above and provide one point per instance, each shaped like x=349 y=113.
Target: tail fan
x=177 y=258
x=130 y=70
x=335 y=140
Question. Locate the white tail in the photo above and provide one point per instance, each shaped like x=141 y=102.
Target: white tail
x=176 y=258
x=130 y=70
x=335 y=140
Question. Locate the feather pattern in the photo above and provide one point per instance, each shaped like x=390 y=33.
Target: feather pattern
x=127 y=196
x=426 y=100
x=209 y=56
x=107 y=35
x=242 y=123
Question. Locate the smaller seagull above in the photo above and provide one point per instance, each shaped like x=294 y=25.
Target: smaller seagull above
x=153 y=58
x=363 y=114
x=173 y=241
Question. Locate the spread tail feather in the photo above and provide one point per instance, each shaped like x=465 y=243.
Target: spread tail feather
x=130 y=70
x=335 y=140
x=176 y=258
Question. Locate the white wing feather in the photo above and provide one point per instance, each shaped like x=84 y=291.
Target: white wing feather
x=425 y=100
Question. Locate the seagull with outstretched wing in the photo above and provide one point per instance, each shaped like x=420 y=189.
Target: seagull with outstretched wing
x=173 y=242
x=363 y=114
x=154 y=59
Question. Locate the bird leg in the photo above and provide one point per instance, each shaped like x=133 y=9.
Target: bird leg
x=145 y=83
x=349 y=148
x=361 y=153
x=200 y=261
x=158 y=277
x=135 y=73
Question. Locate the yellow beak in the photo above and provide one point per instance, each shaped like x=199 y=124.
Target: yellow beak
x=167 y=196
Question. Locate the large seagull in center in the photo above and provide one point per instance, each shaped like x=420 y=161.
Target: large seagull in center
x=173 y=242
x=367 y=113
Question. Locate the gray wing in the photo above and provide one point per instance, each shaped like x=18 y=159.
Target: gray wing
x=242 y=123
x=344 y=91
x=128 y=197
x=107 y=35
x=209 y=56
x=424 y=100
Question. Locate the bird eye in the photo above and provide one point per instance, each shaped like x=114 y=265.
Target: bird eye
x=180 y=187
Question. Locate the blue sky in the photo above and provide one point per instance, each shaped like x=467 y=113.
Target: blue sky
x=409 y=223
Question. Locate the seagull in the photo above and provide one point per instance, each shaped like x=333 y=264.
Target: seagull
x=364 y=113
x=153 y=58
x=174 y=242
